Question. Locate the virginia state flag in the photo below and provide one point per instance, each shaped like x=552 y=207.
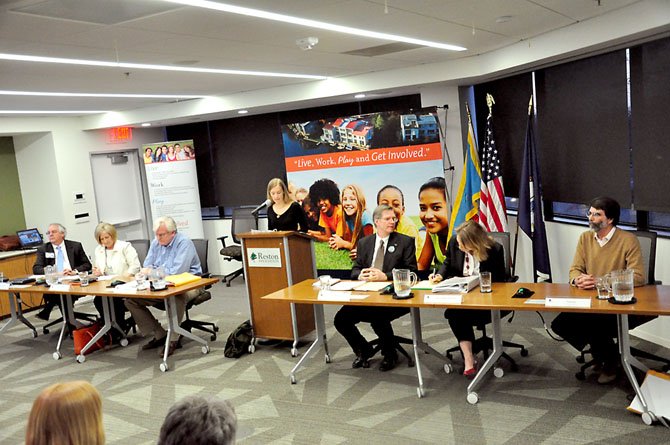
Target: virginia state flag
x=466 y=204
x=530 y=217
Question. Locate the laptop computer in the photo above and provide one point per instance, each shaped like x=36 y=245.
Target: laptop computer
x=29 y=238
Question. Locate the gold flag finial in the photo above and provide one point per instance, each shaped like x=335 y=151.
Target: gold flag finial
x=490 y=102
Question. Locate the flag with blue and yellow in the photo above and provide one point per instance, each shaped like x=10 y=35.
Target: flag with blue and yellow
x=466 y=204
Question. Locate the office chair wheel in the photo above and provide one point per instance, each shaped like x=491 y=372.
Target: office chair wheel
x=580 y=359
x=213 y=337
x=34 y=334
x=524 y=352
x=163 y=367
x=123 y=342
x=472 y=398
x=328 y=358
x=205 y=349
x=448 y=369
x=45 y=331
x=293 y=380
x=580 y=375
x=56 y=355
x=215 y=327
x=498 y=372
x=420 y=392
x=294 y=352
x=252 y=348
x=648 y=418
x=81 y=358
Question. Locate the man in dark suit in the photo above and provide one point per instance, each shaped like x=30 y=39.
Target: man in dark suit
x=377 y=256
x=68 y=257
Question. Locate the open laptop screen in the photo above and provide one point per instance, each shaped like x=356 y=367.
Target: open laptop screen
x=29 y=238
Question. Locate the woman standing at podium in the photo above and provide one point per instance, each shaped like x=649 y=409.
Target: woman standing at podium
x=284 y=214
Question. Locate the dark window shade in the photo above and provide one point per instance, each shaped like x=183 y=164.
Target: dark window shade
x=650 y=107
x=583 y=130
x=510 y=115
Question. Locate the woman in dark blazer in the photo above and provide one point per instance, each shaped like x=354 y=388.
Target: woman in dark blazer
x=469 y=252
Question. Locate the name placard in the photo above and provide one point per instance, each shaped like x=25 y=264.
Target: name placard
x=567 y=302
x=443 y=299
x=60 y=287
x=4 y=286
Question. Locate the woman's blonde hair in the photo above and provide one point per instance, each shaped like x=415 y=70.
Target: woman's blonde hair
x=472 y=235
x=66 y=413
x=358 y=217
x=274 y=182
x=107 y=228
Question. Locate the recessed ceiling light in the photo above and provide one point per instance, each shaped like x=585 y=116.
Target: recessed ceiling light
x=242 y=111
x=146 y=66
x=504 y=19
x=313 y=23
x=115 y=95
x=359 y=96
x=146 y=124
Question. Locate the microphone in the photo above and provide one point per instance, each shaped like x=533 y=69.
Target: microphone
x=265 y=203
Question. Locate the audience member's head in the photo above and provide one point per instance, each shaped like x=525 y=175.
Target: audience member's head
x=195 y=420
x=66 y=413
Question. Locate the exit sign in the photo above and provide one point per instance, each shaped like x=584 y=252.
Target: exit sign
x=118 y=135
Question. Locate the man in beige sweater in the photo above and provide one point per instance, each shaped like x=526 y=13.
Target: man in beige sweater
x=600 y=250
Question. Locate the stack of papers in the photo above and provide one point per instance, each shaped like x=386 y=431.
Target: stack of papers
x=365 y=286
x=182 y=278
x=454 y=285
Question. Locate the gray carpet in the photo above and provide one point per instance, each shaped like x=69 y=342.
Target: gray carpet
x=542 y=403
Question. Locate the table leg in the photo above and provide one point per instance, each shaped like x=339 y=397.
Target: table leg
x=57 y=355
x=106 y=311
x=294 y=325
x=627 y=361
x=472 y=396
x=320 y=322
x=419 y=345
x=16 y=311
x=173 y=326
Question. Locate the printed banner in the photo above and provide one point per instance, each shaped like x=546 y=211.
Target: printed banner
x=340 y=169
x=173 y=184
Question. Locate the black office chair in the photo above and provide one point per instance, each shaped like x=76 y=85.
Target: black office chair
x=244 y=220
x=399 y=341
x=648 y=247
x=484 y=343
x=201 y=246
x=141 y=247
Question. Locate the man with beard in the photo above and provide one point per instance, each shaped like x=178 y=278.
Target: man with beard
x=600 y=250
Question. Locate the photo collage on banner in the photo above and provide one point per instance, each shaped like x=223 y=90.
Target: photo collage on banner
x=340 y=169
x=173 y=184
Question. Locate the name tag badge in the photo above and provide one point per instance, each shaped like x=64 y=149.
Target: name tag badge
x=49 y=255
x=4 y=286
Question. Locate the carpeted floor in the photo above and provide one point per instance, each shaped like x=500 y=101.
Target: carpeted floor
x=541 y=403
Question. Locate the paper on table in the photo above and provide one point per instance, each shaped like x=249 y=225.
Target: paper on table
x=457 y=284
x=345 y=285
x=105 y=277
x=19 y=286
x=373 y=286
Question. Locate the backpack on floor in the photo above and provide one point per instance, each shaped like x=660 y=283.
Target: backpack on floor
x=239 y=340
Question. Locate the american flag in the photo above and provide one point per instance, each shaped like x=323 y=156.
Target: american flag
x=492 y=209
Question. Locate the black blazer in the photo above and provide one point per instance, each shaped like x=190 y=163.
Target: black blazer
x=400 y=254
x=455 y=259
x=75 y=253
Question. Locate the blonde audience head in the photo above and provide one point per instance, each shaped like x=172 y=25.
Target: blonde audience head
x=199 y=420
x=67 y=413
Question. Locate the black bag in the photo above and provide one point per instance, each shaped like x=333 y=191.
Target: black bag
x=239 y=341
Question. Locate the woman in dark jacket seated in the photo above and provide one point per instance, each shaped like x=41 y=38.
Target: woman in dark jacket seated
x=469 y=252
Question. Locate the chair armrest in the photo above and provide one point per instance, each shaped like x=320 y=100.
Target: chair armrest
x=223 y=240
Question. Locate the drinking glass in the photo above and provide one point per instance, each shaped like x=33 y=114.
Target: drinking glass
x=622 y=285
x=603 y=287
x=485 y=282
x=50 y=275
x=141 y=280
x=83 y=278
x=324 y=282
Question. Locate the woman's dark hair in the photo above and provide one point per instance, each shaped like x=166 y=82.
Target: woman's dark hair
x=324 y=189
x=436 y=182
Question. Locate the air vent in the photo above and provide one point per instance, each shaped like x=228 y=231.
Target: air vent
x=381 y=50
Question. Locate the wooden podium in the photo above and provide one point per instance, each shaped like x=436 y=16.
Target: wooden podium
x=274 y=261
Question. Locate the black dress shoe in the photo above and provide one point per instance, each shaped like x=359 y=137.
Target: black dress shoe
x=360 y=361
x=154 y=343
x=388 y=362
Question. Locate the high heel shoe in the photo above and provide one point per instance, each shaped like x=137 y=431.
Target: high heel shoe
x=471 y=373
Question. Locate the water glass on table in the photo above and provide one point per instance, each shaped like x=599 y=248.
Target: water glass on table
x=622 y=285
x=324 y=282
x=485 y=282
x=83 y=278
x=141 y=280
x=603 y=287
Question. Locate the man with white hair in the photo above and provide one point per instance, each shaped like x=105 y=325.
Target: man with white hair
x=176 y=254
x=67 y=256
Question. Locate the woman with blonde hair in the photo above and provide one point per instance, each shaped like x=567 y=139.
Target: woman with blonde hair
x=113 y=257
x=68 y=413
x=469 y=252
x=358 y=222
x=284 y=213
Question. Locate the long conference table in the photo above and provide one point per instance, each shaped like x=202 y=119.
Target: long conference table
x=651 y=300
x=101 y=288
